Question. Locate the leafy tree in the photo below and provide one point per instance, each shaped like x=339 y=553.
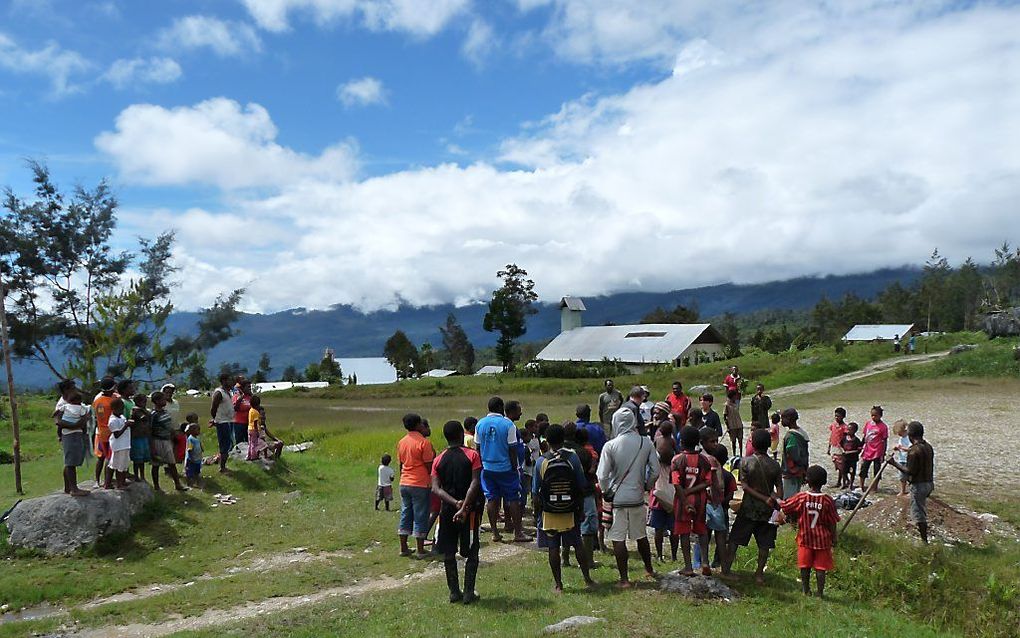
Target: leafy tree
x=426 y=358
x=508 y=311
x=680 y=314
x=290 y=373
x=402 y=355
x=198 y=376
x=730 y=335
x=262 y=374
x=312 y=372
x=72 y=310
x=458 y=348
x=329 y=371
x=1004 y=277
x=233 y=368
x=898 y=304
x=934 y=290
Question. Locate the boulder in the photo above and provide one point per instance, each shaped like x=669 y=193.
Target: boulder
x=696 y=587
x=1002 y=323
x=963 y=347
x=63 y=524
x=571 y=623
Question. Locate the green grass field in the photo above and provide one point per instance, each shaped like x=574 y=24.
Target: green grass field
x=882 y=586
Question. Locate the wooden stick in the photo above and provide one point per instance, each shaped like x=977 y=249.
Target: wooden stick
x=16 y=429
x=860 y=503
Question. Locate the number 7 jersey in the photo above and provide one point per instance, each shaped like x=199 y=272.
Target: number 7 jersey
x=815 y=515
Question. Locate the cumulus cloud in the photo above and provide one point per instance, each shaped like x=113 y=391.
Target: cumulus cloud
x=479 y=42
x=216 y=142
x=59 y=65
x=126 y=72
x=805 y=143
x=408 y=16
x=362 y=92
x=224 y=38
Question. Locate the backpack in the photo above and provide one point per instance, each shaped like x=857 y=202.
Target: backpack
x=559 y=490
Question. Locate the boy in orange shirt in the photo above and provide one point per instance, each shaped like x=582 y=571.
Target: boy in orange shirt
x=102 y=408
x=816 y=518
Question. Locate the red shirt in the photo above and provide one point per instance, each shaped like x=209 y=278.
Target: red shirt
x=472 y=455
x=731 y=383
x=690 y=469
x=836 y=432
x=815 y=515
x=680 y=405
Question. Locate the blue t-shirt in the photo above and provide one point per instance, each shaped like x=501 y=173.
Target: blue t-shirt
x=494 y=435
x=596 y=435
x=194 y=454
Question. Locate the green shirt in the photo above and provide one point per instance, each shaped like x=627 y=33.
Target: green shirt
x=761 y=473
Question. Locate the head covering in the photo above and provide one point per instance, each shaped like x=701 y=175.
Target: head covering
x=624 y=421
x=167 y=386
x=662 y=405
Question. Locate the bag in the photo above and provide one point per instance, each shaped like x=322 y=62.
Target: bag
x=664 y=491
x=610 y=492
x=559 y=490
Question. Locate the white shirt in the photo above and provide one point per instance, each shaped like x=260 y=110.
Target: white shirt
x=122 y=442
x=386 y=474
x=225 y=410
x=71 y=414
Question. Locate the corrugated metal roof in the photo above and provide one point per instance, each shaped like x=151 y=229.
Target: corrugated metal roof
x=489 y=370
x=439 y=373
x=645 y=343
x=572 y=303
x=871 y=332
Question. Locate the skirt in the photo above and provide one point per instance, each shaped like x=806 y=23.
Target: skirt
x=74 y=447
x=140 y=452
x=163 y=452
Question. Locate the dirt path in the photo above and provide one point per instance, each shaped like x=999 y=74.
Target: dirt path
x=868 y=371
x=215 y=617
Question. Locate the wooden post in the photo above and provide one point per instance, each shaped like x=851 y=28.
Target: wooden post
x=10 y=389
x=874 y=482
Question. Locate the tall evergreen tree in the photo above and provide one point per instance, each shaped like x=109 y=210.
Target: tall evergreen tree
x=402 y=355
x=459 y=350
x=508 y=311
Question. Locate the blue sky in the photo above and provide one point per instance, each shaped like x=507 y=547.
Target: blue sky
x=373 y=151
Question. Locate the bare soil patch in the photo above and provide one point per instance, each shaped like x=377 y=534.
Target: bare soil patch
x=891 y=515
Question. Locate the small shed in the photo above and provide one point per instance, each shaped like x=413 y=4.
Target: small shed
x=484 y=370
x=866 y=332
x=439 y=373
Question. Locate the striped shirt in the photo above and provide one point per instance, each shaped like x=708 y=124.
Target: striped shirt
x=815 y=515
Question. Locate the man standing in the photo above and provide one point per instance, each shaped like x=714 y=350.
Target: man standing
x=920 y=472
x=609 y=402
x=242 y=406
x=627 y=469
x=761 y=404
x=596 y=435
x=795 y=453
x=706 y=416
x=733 y=381
x=223 y=418
x=416 y=455
x=633 y=403
x=679 y=405
x=496 y=437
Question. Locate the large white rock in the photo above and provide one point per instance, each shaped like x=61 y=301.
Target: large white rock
x=62 y=524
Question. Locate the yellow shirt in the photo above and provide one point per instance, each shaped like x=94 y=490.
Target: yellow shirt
x=254 y=420
x=469 y=441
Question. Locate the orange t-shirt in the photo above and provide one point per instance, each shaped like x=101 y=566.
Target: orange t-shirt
x=414 y=451
x=101 y=406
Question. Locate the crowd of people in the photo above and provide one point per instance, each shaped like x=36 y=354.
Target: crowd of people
x=124 y=430
x=595 y=486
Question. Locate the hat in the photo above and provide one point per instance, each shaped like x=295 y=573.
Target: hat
x=662 y=405
x=107 y=383
x=167 y=386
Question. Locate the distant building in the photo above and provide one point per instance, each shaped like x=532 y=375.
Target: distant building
x=439 y=373
x=637 y=346
x=485 y=370
x=867 y=332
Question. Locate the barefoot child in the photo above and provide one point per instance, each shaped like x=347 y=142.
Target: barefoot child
x=836 y=431
x=120 y=446
x=851 y=445
x=193 y=458
x=761 y=479
x=691 y=475
x=899 y=429
x=734 y=425
x=384 y=484
x=456 y=480
x=71 y=417
x=140 y=434
x=774 y=434
x=162 y=427
x=876 y=439
x=816 y=518
x=101 y=411
x=717 y=511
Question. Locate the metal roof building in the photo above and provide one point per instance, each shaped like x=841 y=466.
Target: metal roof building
x=878 y=332
x=644 y=344
x=489 y=370
x=439 y=373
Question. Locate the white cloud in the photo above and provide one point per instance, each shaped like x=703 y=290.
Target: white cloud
x=362 y=92
x=125 y=72
x=798 y=144
x=479 y=42
x=409 y=16
x=58 y=64
x=215 y=142
x=224 y=38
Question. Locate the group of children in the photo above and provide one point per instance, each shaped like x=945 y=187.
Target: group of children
x=124 y=434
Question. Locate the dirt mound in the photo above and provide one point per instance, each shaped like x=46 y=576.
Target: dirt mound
x=946 y=523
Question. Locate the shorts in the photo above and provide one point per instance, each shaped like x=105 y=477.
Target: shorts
x=192 y=469
x=743 y=528
x=869 y=463
x=458 y=537
x=163 y=452
x=904 y=477
x=919 y=493
x=74 y=448
x=628 y=523
x=850 y=462
x=501 y=485
x=691 y=522
x=102 y=449
x=590 y=522
x=140 y=451
x=555 y=539
x=792 y=485
x=414 y=511
x=384 y=493
x=120 y=460
x=240 y=432
x=225 y=438
x=661 y=520
x=817 y=559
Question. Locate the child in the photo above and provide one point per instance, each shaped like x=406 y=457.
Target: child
x=761 y=479
x=920 y=472
x=527 y=437
x=749 y=449
x=774 y=434
x=851 y=446
x=101 y=411
x=734 y=425
x=717 y=515
x=140 y=433
x=836 y=431
x=816 y=518
x=120 y=446
x=181 y=440
x=256 y=446
x=469 y=432
x=162 y=428
x=661 y=516
x=706 y=416
x=902 y=445
x=456 y=480
x=70 y=420
x=557 y=488
x=691 y=474
x=193 y=458
x=384 y=486
x=876 y=440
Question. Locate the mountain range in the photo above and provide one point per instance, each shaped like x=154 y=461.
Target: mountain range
x=299 y=336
